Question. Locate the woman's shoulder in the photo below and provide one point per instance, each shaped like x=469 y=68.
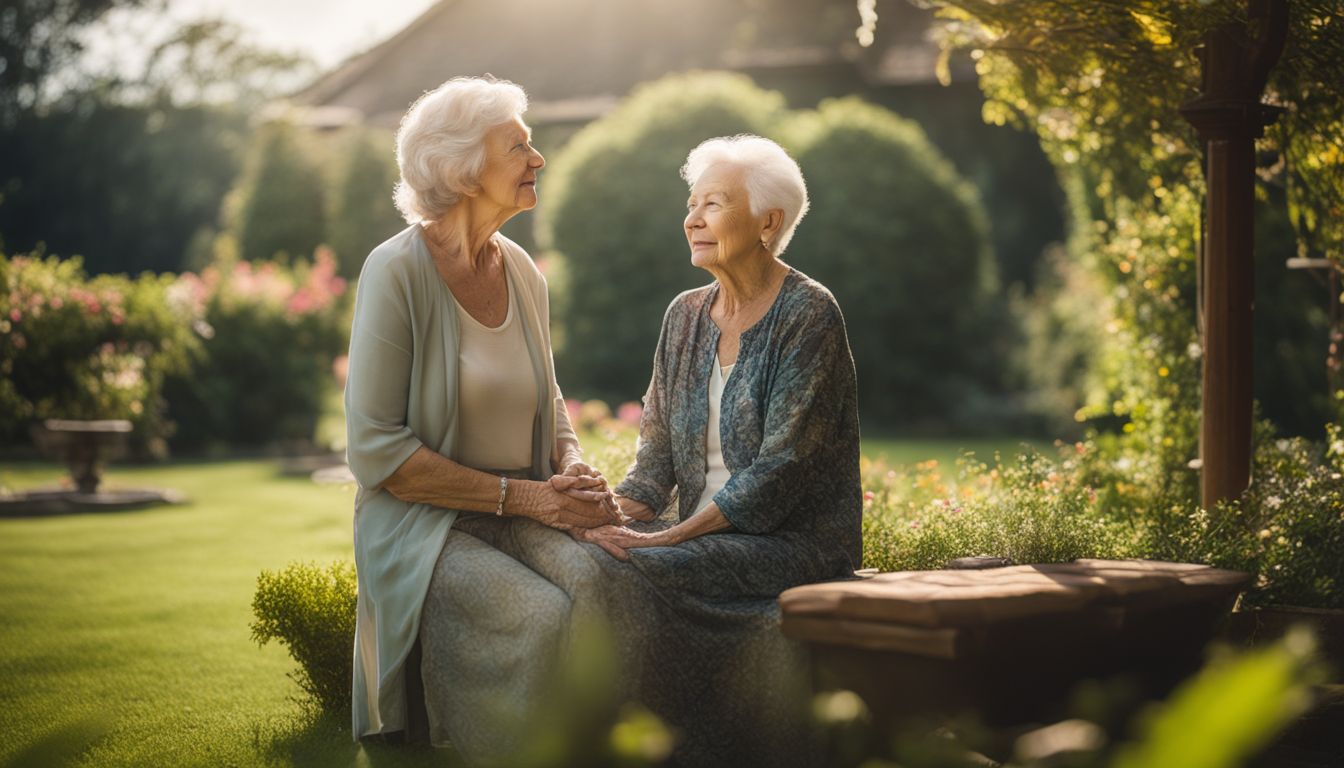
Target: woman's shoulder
x=808 y=300
x=687 y=305
x=397 y=255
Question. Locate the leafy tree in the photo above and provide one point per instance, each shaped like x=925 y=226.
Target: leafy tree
x=213 y=62
x=613 y=206
x=363 y=214
x=282 y=208
x=37 y=39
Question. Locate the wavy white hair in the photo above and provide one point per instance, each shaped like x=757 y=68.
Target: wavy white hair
x=772 y=178
x=441 y=142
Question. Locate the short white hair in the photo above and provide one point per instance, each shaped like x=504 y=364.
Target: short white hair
x=441 y=142
x=772 y=178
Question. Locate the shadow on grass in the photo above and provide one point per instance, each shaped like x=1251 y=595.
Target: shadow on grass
x=63 y=744
x=314 y=738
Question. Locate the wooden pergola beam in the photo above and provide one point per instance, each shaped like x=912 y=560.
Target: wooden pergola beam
x=1229 y=117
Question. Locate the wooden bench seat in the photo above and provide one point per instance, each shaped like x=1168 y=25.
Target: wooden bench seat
x=1009 y=642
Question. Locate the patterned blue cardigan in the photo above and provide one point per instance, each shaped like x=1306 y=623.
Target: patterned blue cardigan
x=789 y=424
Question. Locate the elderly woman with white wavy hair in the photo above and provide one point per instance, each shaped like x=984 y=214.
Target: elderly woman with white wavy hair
x=750 y=428
x=458 y=437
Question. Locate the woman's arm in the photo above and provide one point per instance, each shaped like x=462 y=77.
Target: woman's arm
x=431 y=478
x=652 y=477
x=382 y=450
x=617 y=540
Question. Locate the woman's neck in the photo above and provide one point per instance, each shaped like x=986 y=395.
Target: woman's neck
x=464 y=232
x=744 y=288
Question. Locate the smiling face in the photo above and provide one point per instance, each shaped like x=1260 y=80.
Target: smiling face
x=720 y=227
x=509 y=178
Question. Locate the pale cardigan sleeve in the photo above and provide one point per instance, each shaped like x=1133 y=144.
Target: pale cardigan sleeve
x=378 y=438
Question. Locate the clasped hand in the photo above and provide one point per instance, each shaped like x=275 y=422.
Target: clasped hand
x=579 y=498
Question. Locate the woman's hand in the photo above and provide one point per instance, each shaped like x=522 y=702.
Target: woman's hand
x=563 y=502
x=635 y=510
x=618 y=540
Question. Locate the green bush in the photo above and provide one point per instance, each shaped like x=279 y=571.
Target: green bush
x=78 y=348
x=280 y=204
x=613 y=205
x=903 y=242
x=274 y=333
x=1031 y=511
x=363 y=214
x=310 y=610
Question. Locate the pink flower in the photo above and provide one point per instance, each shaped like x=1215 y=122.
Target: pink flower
x=630 y=413
x=868 y=496
x=15 y=315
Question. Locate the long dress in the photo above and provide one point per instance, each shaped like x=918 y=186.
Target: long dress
x=699 y=622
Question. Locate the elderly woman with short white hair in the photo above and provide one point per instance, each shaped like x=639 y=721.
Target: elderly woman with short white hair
x=458 y=437
x=750 y=427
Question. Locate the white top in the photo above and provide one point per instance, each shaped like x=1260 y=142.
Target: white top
x=497 y=396
x=716 y=474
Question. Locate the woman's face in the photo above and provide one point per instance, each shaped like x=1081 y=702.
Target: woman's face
x=509 y=178
x=720 y=227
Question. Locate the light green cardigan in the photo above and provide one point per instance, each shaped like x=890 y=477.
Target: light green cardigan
x=401 y=393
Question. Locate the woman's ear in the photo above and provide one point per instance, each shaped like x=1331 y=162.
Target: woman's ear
x=773 y=220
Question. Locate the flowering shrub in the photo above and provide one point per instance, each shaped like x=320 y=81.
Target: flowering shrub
x=273 y=333
x=79 y=348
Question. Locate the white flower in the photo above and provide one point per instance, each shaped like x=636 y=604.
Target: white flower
x=1273 y=502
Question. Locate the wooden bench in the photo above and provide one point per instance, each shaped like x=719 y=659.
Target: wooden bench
x=1009 y=643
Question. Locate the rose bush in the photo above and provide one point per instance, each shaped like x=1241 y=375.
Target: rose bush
x=79 y=348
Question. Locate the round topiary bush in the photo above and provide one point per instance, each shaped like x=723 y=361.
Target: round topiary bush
x=612 y=206
x=903 y=243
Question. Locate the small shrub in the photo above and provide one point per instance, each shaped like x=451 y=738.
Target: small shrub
x=310 y=610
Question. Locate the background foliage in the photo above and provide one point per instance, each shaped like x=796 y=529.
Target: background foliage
x=903 y=242
x=273 y=331
x=614 y=206
x=72 y=347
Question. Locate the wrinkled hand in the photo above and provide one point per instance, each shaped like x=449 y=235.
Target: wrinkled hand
x=617 y=540
x=568 y=502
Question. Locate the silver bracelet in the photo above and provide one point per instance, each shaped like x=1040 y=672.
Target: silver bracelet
x=503 y=489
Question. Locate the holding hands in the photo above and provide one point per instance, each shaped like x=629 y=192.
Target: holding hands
x=575 y=498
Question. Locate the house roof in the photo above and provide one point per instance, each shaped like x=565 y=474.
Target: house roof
x=577 y=58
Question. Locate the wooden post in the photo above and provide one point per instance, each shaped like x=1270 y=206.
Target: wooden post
x=1229 y=117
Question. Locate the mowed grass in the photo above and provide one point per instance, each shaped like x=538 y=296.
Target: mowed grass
x=125 y=638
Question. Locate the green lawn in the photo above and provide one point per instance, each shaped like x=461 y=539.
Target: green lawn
x=125 y=637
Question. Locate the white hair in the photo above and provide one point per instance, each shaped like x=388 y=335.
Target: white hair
x=441 y=142
x=772 y=178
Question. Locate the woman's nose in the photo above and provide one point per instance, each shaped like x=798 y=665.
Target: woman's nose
x=537 y=160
